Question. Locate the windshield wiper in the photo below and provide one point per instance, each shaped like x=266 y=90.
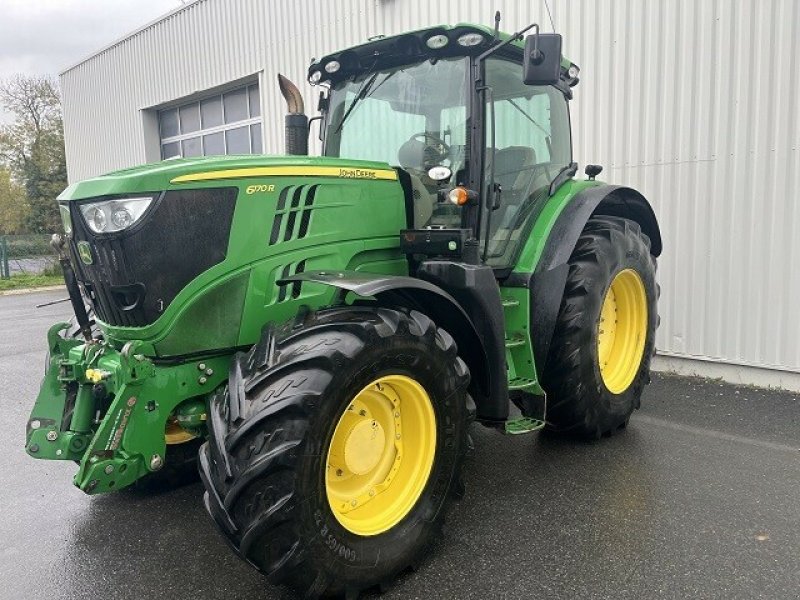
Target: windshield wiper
x=562 y=176
x=362 y=93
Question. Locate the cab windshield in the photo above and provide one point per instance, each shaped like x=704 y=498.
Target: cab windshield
x=413 y=117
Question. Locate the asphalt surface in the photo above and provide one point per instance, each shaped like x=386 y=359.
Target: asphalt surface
x=699 y=498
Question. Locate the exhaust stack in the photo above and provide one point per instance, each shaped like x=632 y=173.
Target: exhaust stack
x=296 y=124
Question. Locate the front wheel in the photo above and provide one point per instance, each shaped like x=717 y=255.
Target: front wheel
x=599 y=360
x=335 y=447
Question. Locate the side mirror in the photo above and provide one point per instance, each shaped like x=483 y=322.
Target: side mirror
x=542 y=60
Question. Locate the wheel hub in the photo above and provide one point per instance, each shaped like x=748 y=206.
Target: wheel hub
x=364 y=446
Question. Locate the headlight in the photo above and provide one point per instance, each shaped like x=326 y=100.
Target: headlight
x=470 y=39
x=114 y=215
x=332 y=66
x=66 y=218
x=435 y=42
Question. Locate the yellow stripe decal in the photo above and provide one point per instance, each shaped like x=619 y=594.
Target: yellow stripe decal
x=343 y=172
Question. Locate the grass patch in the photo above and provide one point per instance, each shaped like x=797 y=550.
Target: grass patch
x=28 y=280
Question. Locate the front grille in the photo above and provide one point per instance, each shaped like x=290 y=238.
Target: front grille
x=136 y=273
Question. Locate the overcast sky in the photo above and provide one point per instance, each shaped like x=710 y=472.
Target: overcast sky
x=39 y=37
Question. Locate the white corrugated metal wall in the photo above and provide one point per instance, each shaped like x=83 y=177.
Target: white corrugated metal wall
x=694 y=102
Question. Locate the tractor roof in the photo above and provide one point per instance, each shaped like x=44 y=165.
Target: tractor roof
x=410 y=47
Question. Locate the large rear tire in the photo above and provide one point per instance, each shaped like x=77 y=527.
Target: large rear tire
x=604 y=338
x=335 y=448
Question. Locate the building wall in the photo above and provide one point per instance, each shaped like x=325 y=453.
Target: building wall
x=694 y=102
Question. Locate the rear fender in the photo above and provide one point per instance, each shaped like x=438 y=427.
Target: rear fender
x=417 y=294
x=546 y=283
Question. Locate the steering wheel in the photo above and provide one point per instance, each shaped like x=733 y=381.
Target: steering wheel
x=434 y=153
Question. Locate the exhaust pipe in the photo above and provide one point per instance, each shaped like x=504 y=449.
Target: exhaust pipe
x=296 y=126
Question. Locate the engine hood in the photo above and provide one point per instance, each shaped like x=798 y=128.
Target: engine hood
x=180 y=173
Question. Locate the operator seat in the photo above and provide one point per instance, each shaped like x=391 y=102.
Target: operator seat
x=513 y=167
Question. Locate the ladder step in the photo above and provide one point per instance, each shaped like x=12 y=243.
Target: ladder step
x=522 y=425
x=510 y=302
x=515 y=342
x=521 y=383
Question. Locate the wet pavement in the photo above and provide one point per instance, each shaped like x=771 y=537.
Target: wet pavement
x=699 y=498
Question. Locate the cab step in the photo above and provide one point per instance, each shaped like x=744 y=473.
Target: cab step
x=510 y=303
x=523 y=425
x=515 y=341
x=521 y=383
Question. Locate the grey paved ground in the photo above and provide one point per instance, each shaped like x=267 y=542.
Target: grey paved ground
x=699 y=499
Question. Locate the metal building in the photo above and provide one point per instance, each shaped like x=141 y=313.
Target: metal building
x=694 y=102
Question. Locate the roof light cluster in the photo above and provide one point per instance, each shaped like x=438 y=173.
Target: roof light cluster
x=435 y=42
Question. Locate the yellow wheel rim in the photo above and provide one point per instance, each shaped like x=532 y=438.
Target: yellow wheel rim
x=381 y=455
x=175 y=434
x=622 y=331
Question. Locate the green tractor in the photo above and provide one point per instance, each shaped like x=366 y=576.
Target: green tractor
x=324 y=330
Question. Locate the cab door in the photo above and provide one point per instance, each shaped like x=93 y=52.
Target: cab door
x=531 y=145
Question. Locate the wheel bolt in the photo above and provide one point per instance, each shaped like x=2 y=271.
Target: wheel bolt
x=354 y=502
x=363 y=413
x=372 y=492
x=339 y=472
x=397 y=414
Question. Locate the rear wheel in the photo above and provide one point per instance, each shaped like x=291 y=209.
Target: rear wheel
x=335 y=447
x=599 y=361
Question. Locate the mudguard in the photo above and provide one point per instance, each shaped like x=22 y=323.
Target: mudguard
x=547 y=282
x=397 y=290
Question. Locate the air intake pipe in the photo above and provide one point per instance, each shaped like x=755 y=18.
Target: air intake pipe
x=296 y=120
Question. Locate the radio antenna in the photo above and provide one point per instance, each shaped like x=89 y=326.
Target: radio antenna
x=549 y=14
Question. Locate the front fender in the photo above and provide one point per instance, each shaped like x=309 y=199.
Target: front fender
x=418 y=294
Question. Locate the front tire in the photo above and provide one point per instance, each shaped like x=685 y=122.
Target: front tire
x=335 y=448
x=599 y=360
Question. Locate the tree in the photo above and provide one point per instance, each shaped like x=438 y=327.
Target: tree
x=33 y=146
x=14 y=209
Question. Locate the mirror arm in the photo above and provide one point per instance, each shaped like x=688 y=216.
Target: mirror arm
x=514 y=37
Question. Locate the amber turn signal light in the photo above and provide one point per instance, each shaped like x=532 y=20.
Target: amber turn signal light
x=460 y=196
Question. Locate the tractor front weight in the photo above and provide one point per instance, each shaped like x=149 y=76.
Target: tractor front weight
x=108 y=410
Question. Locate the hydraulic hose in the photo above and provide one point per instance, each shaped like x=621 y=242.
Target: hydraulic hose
x=74 y=291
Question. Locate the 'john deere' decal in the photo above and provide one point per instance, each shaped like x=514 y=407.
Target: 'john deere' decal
x=85 y=252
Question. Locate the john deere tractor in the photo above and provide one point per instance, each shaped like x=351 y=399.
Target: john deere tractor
x=324 y=330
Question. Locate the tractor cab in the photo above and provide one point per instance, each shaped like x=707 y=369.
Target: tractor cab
x=451 y=115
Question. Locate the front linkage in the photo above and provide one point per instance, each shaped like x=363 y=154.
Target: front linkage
x=109 y=410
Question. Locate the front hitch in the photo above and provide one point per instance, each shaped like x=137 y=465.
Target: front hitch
x=108 y=410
